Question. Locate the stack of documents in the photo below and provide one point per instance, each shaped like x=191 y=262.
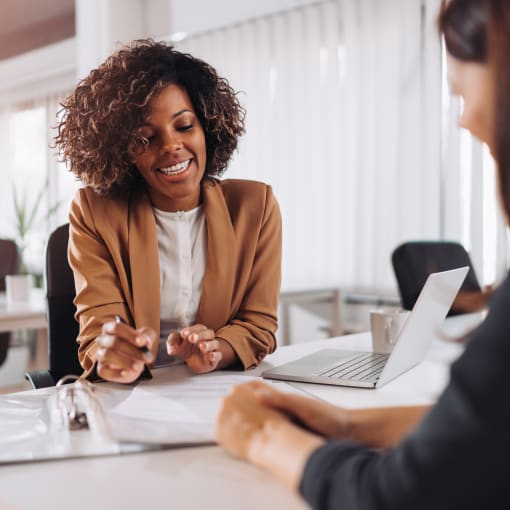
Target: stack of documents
x=175 y=408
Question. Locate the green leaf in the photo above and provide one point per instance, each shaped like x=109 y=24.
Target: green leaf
x=26 y=214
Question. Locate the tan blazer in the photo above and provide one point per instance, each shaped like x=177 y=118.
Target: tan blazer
x=113 y=251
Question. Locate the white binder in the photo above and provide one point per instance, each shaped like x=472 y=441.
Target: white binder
x=80 y=419
x=62 y=422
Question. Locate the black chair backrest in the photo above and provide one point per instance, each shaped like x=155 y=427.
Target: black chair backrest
x=9 y=264
x=9 y=260
x=60 y=293
x=413 y=261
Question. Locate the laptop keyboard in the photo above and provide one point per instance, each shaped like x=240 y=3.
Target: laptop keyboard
x=361 y=367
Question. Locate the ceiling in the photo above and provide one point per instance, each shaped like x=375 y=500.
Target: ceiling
x=29 y=24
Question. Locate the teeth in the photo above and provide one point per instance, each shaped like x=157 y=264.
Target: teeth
x=175 y=169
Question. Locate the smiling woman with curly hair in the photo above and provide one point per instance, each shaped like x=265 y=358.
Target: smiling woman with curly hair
x=166 y=255
x=104 y=115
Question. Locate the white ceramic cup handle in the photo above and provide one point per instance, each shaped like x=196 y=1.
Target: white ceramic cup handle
x=387 y=330
x=389 y=338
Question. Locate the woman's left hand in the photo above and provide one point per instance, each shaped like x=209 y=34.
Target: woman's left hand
x=198 y=347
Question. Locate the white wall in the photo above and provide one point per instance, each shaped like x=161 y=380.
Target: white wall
x=103 y=24
x=38 y=73
x=196 y=16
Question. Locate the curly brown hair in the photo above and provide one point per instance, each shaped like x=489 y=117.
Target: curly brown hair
x=98 y=134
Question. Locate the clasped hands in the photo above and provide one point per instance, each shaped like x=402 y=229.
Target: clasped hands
x=119 y=358
x=276 y=431
x=279 y=431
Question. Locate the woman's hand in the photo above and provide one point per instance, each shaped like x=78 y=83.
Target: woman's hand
x=119 y=358
x=469 y=301
x=380 y=427
x=198 y=347
x=248 y=429
x=315 y=415
x=242 y=417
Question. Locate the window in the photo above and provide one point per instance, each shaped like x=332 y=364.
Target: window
x=34 y=175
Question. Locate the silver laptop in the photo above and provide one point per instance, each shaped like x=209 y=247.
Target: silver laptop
x=372 y=370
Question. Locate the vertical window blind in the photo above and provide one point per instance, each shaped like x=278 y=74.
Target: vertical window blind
x=350 y=122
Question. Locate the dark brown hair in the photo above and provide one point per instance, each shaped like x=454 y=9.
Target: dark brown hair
x=98 y=134
x=479 y=31
x=499 y=51
x=463 y=25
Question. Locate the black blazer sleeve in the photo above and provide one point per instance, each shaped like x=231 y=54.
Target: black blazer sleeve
x=457 y=458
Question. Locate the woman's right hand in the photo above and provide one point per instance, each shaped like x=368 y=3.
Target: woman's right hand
x=119 y=358
x=315 y=415
x=380 y=427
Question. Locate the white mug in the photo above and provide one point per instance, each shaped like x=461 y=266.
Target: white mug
x=17 y=287
x=386 y=325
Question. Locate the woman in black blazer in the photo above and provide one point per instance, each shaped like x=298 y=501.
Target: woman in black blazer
x=457 y=453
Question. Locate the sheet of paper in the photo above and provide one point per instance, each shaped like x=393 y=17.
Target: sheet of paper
x=156 y=407
x=173 y=408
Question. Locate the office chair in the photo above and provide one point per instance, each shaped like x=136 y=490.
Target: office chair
x=62 y=326
x=413 y=261
x=9 y=264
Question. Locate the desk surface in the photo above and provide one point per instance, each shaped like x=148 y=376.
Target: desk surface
x=205 y=477
x=27 y=315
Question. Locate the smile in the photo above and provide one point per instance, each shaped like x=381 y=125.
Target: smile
x=176 y=169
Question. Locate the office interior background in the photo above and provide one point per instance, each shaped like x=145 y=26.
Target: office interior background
x=349 y=118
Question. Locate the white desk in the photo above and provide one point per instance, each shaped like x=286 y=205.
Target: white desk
x=205 y=477
x=28 y=315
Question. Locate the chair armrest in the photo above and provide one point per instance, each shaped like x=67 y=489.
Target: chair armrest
x=40 y=378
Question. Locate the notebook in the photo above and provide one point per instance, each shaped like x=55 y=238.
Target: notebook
x=372 y=370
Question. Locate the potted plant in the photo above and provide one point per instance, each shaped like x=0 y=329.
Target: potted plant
x=27 y=217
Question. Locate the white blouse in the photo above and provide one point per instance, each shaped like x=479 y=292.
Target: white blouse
x=182 y=246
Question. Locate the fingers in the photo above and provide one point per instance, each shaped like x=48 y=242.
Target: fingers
x=114 y=374
x=204 y=362
x=209 y=346
x=197 y=346
x=150 y=336
x=119 y=357
x=197 y=333
x=174 y=341
x=295 y=405
x=315 y=415
x=117 y=347
x=178 y=344
x=283 y=401
x=127 y=334
x=214 y=358
x=252 y=389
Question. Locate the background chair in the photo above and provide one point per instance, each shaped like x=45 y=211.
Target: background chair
x=413 y=261
x=62 y=327
x=9 y=264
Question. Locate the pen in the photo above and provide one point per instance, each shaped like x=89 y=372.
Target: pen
x=145 y=350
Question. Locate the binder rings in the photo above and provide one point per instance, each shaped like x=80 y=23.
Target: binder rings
x=65 y=421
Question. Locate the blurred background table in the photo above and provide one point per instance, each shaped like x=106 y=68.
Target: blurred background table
x=28 y=345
